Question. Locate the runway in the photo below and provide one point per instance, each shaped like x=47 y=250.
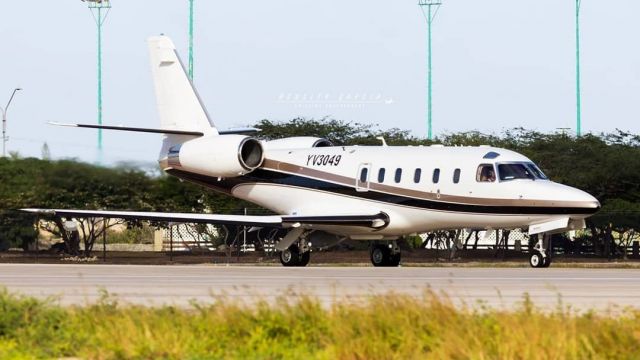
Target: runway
x=180 y=285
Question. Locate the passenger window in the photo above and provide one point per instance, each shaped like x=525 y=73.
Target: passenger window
x=436 y=176
x=364 y=174
x=381 y=175
x=486 y=173
x=417 y=175
x=456 y=176
x=398 y=175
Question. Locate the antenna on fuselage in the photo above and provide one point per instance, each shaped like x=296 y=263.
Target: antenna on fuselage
x=384 y=142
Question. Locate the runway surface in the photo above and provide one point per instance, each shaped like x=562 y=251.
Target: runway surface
x=179 y=285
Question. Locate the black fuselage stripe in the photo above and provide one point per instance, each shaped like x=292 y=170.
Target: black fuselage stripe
x=275 y=177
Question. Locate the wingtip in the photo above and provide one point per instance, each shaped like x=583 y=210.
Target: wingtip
x=39 y=211
x=54 y=123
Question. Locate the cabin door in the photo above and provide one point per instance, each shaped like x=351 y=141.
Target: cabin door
x=362 y=177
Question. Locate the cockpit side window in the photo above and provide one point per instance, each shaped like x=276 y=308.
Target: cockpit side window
x=512 y=171
x=485 y=173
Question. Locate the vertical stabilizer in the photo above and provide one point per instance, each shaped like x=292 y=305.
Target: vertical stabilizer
x=179 y=105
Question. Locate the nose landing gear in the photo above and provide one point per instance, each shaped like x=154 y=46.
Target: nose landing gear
x=541 y=257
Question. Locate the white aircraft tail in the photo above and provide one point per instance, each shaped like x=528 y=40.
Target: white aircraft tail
x=179 y=105
x=183 y=116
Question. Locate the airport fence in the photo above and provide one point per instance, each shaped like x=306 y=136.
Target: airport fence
x=603 y=238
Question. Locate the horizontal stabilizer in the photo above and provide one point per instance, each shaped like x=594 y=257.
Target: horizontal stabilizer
x=124 y=128
x=375 y=221
x=236 y=131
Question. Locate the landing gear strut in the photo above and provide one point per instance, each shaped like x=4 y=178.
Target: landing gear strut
x=297 y=254
x=385 y=253
x=541 y=257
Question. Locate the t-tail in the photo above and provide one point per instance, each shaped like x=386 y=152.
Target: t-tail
x=191 y=143
x=181 y=109
x=179 y=106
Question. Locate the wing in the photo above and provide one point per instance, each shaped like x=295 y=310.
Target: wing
x=376 y=221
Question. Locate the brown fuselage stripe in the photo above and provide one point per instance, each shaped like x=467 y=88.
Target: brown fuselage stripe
x=394 y=190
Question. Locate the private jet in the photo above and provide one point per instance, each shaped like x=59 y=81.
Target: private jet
x=369 y=193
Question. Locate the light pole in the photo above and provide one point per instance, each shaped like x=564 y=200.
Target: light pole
x=4 y=122
x=430 y=10
x=191 y=40
x=578 y=95
x=100 y=10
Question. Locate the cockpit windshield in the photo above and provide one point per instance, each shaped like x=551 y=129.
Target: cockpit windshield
x=536 y=171
x=520 y=170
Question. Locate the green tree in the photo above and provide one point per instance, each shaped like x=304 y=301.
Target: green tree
x=605 y=165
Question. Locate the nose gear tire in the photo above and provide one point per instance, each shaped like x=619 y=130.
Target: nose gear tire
x=536 y=259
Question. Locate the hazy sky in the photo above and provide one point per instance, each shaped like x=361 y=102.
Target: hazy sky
x=497 y=64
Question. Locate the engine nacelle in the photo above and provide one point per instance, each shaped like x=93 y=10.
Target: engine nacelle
x=218 y=155
x=297 y=142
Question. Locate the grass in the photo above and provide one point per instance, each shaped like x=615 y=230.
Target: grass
x=384 y=327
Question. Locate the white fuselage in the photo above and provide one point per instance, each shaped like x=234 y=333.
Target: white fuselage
x=327 y=180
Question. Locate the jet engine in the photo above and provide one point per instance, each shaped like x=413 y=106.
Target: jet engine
x=218 y=156
x=297 y=142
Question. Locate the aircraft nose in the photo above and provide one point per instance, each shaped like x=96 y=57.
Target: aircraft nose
x=585 y=199
x=592 y=202
x=572 y=197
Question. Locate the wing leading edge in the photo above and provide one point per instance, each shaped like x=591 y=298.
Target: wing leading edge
x=376 y=221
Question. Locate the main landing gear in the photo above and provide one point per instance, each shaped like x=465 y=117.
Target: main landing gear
x=298 y=254
x=294 y=257
x=541 y=257
x=386 y=253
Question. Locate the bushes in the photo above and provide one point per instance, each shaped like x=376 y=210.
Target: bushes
x=16 y=230
x=382 y=327
x=134 y=235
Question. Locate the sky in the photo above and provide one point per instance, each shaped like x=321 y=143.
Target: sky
x=496 y=65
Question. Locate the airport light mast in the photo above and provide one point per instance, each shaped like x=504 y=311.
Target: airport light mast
x=191 y=40
x=578 y=95
x=429 y=10
x=100 y=10
x=4 y=122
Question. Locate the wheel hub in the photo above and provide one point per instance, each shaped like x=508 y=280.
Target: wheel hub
x=377 y=256
x=286 y=255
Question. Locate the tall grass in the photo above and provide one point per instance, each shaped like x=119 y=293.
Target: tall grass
x=383 y=327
